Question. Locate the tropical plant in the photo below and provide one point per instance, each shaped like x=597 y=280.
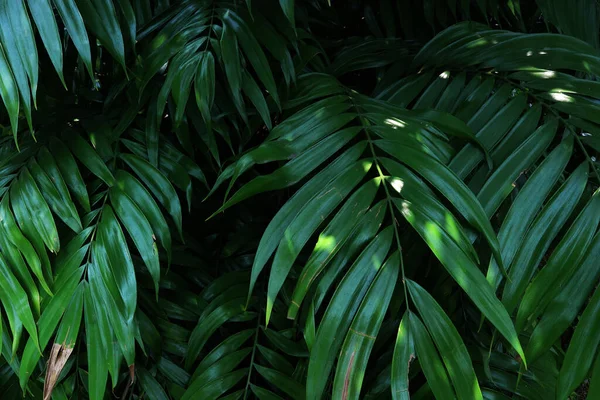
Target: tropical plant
x=206 y=199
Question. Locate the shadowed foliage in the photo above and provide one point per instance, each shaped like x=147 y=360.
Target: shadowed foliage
x=394 y=199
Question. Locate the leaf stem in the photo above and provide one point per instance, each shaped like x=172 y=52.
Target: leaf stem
x=383 y=177
x=549 y=107
x=254 y=345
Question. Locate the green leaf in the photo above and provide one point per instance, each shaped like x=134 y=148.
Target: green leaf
x=16 y=237
x=288 y=9
x=252 y=51
x=173 y=372
x=491 y=125
x=181 y=87
x=528 y=123
x=123 y=329
x=232 y=64
x=111 y=241
x=152 y=134
x=594 y=388
x=9 y=42
x=404 y=354
x=221 y=385
x=229 y=345
x=501 y=183
x=274 y=231
x=142 y=198
x=139 y=230
x=70 y=172
x=331 y=239
x=71 y=321
x=208 y=326
x=361 y=337
x=565 y=259
x=16 y=328
x=563 y=308
x=101 y=17
x=276 y=360
x=22 y=273
x=223 y=366
x=444 y=180
x=26 y=223
x=25 y=188
x=177 y=174
x=25 y=41
x=541 y=234
x=88 y=157
x=43 y=15
x=341 y=310
x=97 y=365
x=365 y=230
x=129 y=19
x=429 y=97
x=455 y=127
x=152 y=389
x=429 y=359
x=409 y=186
x=252 y=91
x=73 y=21
x=48 y=178
x=309 y=219
x=448 y=341
x=283 y=382
x=15 y=297
x=451 y=94
x=264 y=394
x=408 y=90
x=330 y=113
x=204 y=86
x=9 y=93
x=295 y=349
x=467 y=106
x=47 y=324
x=526 y=205
x=234 y=396
x=463 y=271
x=582 y=349
x=158 y=184
x=294 y=170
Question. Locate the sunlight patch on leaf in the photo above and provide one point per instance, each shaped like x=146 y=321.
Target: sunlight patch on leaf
x=325 y=243
x=561 y=97
x=397 y=184
x=289 y=239
x=477 y=43
x=396 y=123
x=376 y=262
x=433 y=232
x=451 y=227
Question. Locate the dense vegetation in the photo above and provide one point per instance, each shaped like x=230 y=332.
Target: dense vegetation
x=299 y=200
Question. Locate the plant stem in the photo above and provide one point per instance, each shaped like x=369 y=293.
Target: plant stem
x=549 y=107
x=383 y=177
x=252 y=356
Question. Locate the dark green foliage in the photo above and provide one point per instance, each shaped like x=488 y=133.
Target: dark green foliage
x=299 y=200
